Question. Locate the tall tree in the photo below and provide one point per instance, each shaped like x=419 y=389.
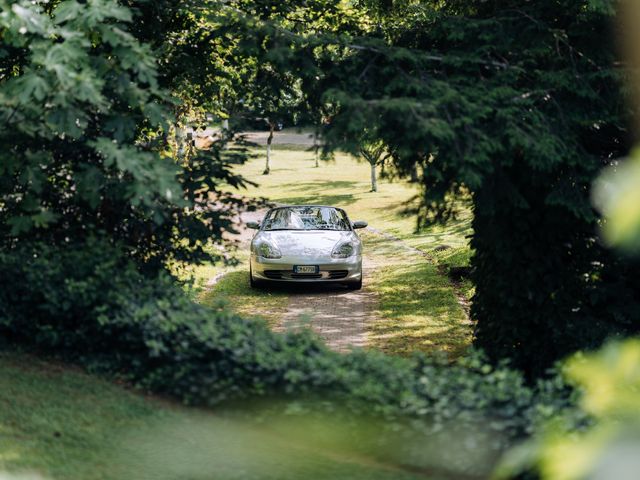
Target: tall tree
x=521 y=103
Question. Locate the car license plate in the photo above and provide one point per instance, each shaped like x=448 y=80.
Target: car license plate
x=305 y=269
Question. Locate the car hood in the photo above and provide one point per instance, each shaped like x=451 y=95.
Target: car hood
x=306 y=242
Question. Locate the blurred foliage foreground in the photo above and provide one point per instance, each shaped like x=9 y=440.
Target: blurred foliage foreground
x=99 y=312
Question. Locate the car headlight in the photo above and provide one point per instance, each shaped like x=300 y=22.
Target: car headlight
x=343 y=250
x=267 y=250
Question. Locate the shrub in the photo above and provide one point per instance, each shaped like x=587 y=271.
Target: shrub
x=84 y=304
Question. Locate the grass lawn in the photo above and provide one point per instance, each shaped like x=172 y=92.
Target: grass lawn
x=345 y=183
x=63 y=424
x=234 y=289
x=230 y=284
x=417 y=301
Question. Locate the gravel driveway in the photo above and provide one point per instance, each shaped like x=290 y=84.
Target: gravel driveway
x=284 y=137
x=338 y=315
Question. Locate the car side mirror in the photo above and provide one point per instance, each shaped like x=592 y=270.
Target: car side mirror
x=253 y=225
x=359 y=224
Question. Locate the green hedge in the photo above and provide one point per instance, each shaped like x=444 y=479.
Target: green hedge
x=85 y=304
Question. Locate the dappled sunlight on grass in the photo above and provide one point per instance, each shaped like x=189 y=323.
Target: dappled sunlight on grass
x=418 y=307
x=341 y=182
x=215 y=283
x=344 y=182
x=418 y=312
x=457 y=258
x=454 y=234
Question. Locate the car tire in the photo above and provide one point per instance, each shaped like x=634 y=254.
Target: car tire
x=355 y=285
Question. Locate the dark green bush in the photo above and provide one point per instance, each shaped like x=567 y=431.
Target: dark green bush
x=84 y=304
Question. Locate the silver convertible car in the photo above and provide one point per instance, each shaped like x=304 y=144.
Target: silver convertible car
x=306 y=243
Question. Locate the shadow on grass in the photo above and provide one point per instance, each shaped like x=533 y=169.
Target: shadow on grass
x=329 y=200
x=319 y=198
x=460 y=227
x=302 y=187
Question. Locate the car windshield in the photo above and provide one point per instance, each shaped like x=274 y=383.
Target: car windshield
x=306 y=218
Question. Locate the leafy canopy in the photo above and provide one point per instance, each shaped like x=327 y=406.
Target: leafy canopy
x=86 y=146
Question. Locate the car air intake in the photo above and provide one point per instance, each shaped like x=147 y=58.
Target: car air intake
x=338 y=273
x=275 y=274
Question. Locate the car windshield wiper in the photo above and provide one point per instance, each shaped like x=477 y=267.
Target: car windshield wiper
x=329 y=229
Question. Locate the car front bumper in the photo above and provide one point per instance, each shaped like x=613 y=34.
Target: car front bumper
x=343 y=270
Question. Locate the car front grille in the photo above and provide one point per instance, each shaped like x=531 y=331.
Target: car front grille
x=288 y=274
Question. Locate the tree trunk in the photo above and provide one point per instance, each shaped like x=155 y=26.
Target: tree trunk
x=414 y=173
x=180 y=139
x=374 y=180
x=267 y=168
x=315 y=147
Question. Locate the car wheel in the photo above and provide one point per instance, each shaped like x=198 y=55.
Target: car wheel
x=355 y=285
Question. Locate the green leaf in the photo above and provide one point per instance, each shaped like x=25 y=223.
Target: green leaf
x=32 y=87
x=68 y=121
x=20 y=224
x=32 y=20
x=69 y=10
x=44 y=218
x=89 y=183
